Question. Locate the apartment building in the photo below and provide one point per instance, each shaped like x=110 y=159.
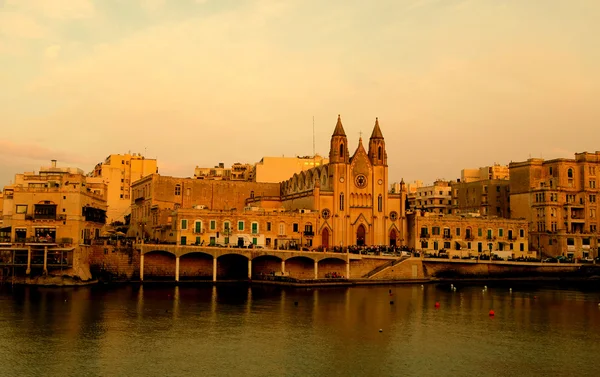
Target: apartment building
x=118 y=172
x=485 y=191
x=559 y=199
x=436 y=198
x=469 y=235
x=250 y=226
x=55 y=206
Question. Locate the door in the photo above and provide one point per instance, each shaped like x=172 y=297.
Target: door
x=360 y=235
x=325 y=238
x=393 y=237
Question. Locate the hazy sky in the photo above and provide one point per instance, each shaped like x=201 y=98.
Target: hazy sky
x=455 y=83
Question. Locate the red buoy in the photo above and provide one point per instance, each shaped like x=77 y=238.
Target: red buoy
x=437 y=304
x=492 y=313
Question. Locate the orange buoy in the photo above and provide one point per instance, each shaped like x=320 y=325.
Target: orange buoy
x=437 y=304
x=492 y=313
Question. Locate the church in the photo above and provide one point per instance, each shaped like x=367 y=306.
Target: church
x=350 y=195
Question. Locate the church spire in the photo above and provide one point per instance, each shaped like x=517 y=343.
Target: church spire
x=339 y=129
x=376 y=131
x=338 y=152
x=377 y=152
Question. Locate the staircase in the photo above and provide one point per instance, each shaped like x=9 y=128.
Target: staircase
x=384 y=266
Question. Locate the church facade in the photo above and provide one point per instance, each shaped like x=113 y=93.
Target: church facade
x=350 y=196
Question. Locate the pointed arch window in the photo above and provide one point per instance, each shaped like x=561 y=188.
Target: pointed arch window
x=342 y=150
x=342 y=201
x=380 y=203
x=379 y=153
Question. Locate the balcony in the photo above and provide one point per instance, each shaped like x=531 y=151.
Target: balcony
x=309 y=233
x=425 y=235
x=469 y=237
x=447 y=236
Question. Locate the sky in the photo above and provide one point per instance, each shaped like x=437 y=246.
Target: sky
x=455 y=83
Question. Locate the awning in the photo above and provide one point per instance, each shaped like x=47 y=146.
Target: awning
x=5 y=229
x=462 y=244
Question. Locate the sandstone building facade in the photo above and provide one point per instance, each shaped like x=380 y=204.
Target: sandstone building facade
x=559 y=199
x=118 y=172
x=57 y=205
x=343 y=202
x=469 y=235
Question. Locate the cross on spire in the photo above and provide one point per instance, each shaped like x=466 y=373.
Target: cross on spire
x=360 y=134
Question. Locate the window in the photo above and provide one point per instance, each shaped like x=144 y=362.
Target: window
x=592 y=183
x=521 y=233
x=183 y=224
x=281 y=229
x=593 y=213
x=342 y=150
x=268 y=226
x=213 y=224
x=21 y=208
x=592 y=198
x=342 y=201
x=379 y=154
x=198 y=227
x=183 y=240
x=226 y=225
x=424 y=232
x=435 y=230
x=446 y=232
x=255 y=228
x=380 y=203
x=521 y=246
x=240 y=225
x=457 y=232
x=550 y=170
x=435 y=245
x=178 y=189
x=490 y=234
x=308 y=229
x=295 y=227
x=570 y=173
x=593 y=228
x=500 y=232
x=479 y=232
x=497 y=188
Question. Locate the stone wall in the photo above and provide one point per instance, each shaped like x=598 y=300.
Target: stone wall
x=114 y=262
x=409 y=269
x=361 y=267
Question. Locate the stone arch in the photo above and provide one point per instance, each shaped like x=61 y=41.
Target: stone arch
x=300 y=267
x=232 y=266
x=331 y=267
x=265 y=265
x=195 y=265
x=159 y=265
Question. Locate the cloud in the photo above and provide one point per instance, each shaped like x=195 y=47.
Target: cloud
x=52 y=52
x=17 y=25
x=32 y=152
x=60 y=9
x=152 y=5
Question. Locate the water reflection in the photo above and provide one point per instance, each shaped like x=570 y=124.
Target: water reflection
x=256 y=331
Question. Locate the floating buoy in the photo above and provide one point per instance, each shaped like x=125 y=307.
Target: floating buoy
x=437 y=304
x=485 y=287
x=391 y=302
x=380 y=330
x=492 y=313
